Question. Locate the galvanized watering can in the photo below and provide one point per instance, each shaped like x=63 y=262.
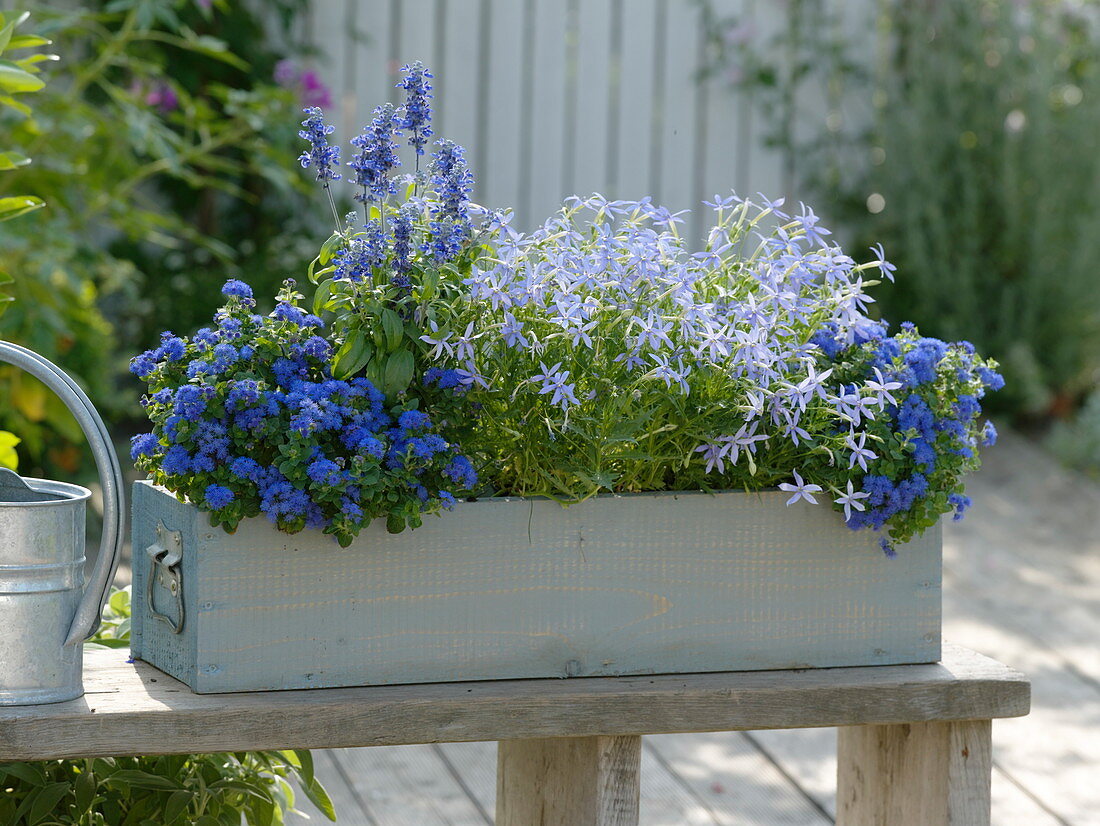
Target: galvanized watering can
x=45 y=610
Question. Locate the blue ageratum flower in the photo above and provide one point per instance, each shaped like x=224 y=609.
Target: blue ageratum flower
x=144 y=364
x=218 y=497
x=377 y=155
x=238 y=289
x=225 y=355
x=177 y=461
x=416 y=117
x=190 y=401
x=172 y=348
x=144 y=444
x=321 y=155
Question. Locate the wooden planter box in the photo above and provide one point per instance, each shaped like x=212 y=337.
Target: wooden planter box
x=511 y=588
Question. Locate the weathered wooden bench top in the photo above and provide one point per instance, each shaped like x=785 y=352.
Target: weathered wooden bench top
x=131 y=708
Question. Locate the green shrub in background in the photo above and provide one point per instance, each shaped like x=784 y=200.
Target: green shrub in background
x=154 y=154
x=17 y=76
x=1076 y=443
x=963 y=136
x=252 y=788
x=8 y=457
x=990 y=185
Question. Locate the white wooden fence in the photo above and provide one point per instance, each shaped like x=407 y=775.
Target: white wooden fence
x=560 y=97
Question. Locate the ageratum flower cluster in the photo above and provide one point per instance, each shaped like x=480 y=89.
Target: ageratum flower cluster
x=911 y=456
x=248 y=419
x=606 y=356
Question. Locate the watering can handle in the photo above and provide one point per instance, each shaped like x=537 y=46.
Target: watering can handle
x=87 y=617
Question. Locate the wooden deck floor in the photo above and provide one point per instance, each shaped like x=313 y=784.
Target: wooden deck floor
x=1021 y=584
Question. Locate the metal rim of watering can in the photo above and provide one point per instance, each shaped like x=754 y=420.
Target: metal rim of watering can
x=68 y=490
x=87 y=617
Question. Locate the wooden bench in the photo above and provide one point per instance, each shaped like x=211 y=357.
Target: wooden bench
x=914 y=744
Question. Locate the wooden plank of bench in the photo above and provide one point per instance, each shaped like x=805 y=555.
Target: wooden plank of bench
x=135 y=709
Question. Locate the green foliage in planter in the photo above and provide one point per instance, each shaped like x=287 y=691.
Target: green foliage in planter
x=963 y=138
x=252 y=788
x=154 y=152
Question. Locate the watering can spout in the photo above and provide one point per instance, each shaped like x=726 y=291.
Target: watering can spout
x=85 y=615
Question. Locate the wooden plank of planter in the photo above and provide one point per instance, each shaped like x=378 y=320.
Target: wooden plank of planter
x=135 y=709
x=652 y=583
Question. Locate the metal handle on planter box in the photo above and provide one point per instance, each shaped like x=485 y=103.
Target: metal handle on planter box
x=87 y=617
x=165 y=555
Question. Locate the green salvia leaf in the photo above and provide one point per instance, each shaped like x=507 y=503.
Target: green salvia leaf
x=84 y=790
x=177 y=804
x=352 y=355
x=305 y=762
x=30 y=773
x=142 y=780
x=319 y=798
x=48 y=798
x=394 y=328
x=321 y=296
x=399 y=372
x=329 y=248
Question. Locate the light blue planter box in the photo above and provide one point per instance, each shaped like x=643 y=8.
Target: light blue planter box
x=512 y=588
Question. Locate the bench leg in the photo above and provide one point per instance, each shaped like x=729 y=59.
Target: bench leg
x=916 y=774
x=569 y=781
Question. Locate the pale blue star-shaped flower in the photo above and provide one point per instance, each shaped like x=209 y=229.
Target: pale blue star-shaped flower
x=800 y=489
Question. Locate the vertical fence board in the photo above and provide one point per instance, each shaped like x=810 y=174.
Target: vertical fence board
x=364 y=77
x=725 y=144
x=417 y=39
x=456 y=78
x=498 y=136
x=659 y=69
x=544 y=163
x=680 y=97
x=328 y=22
x=556 y=97
x=765 y=167
x=593 y=97
x=637 y=107
x=568 y=128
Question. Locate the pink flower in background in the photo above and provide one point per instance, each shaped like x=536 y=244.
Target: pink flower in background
x=162 y=96
x=311 y=89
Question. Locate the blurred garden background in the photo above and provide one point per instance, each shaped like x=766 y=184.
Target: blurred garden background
x=156 y=156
